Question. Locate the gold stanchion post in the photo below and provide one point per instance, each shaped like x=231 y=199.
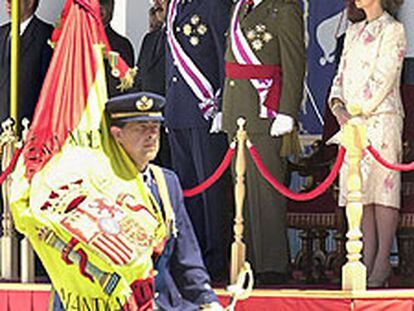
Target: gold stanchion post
x=9 y=243
x=14 y=60
x=241 y=274
x=354 y=139
x=238 y=248
x=27 y=258
x=8 y=239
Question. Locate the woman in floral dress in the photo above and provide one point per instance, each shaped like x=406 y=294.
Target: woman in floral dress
x=369 y=76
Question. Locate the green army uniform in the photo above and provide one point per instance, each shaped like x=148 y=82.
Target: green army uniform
x=264 y=208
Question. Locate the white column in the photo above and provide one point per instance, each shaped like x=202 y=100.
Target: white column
x=49 y=10
x=137 y=22
x=119 y=18
x=131 y=20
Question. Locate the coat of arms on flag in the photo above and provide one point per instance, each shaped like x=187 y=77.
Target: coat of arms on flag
x=113 y=232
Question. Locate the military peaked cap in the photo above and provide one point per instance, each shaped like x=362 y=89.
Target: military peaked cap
x=135 y=107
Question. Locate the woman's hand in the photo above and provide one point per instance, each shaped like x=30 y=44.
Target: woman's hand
x=340 y=112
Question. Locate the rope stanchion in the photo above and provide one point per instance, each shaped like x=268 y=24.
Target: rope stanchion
x=11 y=165
x=215 y=176
x=396 y=167
x=321 y=188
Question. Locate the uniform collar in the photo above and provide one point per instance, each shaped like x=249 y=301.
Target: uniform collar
x=23 y=25
x=147 y=176
x=257 y=2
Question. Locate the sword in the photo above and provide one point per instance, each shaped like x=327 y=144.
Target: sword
x=107 y=280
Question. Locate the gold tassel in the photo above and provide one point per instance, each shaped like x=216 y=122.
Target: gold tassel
x=51 y=44
x=127 y=81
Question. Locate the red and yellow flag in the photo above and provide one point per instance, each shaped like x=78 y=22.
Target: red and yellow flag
x=75 y=193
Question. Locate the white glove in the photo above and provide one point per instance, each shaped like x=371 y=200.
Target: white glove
x=216 y=124
x=282 y=124
x=213 y=306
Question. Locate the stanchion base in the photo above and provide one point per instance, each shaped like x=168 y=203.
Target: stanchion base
x=354 y=276
x=9 y=255
x=27 y=262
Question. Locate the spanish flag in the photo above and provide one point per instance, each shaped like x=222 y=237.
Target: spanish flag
x=75 y=193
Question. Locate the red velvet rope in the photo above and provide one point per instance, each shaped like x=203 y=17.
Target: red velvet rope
x=396 y=167
x=11 y=165
x=213 y=178
x=322 y=187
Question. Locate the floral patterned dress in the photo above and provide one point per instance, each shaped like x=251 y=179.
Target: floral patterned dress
x=369 y=75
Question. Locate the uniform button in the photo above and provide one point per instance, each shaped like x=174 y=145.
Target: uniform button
x=156 y=294
x=174 y=79
x=232 y=83
x=177 y=29
x=175 y=63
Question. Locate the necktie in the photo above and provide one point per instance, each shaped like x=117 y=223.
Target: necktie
x=149 y=182
x=152 y=186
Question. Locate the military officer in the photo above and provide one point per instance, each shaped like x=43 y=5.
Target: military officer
x=265 y=66
x=182 y=282
x=118 y=43
x=194 y=77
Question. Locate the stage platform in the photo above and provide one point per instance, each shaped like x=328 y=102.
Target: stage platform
x=35 y=297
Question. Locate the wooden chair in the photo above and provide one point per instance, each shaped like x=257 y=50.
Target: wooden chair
x=314 y=219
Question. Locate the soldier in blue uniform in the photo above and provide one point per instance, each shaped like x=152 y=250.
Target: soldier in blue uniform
x=182 y=282
x=196 y=36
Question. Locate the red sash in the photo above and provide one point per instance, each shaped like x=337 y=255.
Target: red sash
x=247 y=72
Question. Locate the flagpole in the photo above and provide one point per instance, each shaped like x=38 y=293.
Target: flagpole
x=9 y=243
x=27 y=255
x=14 y=64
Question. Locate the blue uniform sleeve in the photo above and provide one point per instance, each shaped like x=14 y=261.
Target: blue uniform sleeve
x=187 y=266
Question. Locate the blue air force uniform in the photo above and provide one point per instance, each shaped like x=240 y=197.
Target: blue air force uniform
x=200 y=28
x=182 y=282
